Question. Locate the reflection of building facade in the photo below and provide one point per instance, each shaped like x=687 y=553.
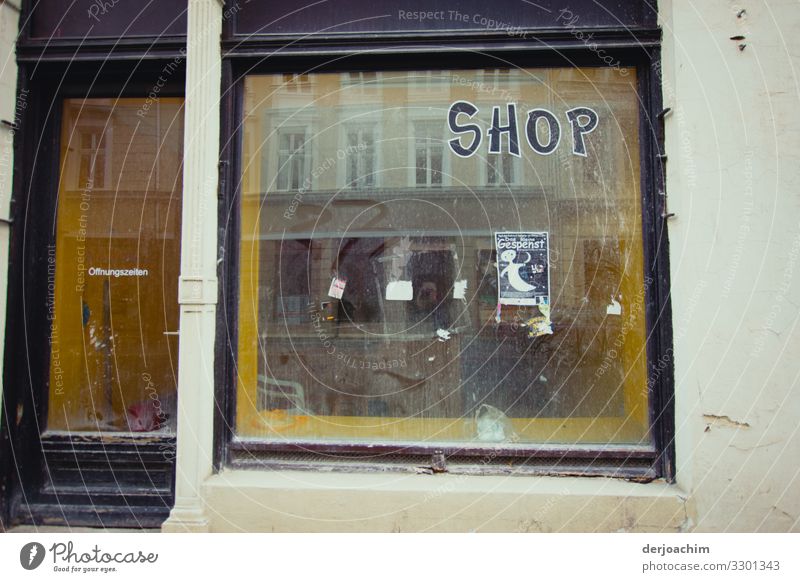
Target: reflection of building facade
x=118 y=212
x=273 y=215
x=371 y=160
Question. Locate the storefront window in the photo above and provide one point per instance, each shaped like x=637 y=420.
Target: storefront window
x=446 y=257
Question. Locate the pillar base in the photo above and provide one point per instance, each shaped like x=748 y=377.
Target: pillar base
x=189 y=519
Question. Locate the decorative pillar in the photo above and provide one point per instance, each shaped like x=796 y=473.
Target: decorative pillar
x=197 y=291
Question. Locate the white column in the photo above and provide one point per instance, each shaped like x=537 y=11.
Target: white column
x=198 y=281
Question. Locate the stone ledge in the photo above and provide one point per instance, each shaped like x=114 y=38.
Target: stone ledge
x=305 y=501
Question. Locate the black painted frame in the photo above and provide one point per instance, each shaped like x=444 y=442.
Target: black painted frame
x=90 y=66
x=37 y=488
x=53 y=69
x=305 y=24
x=90 y=47
x=555 y=48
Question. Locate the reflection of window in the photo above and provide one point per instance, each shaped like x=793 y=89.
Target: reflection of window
x=495 y=77
x=361 y=81
x=360 y=77
x=427 y=81
x=91 y=144
x=428 y=153
x=292 y=159
x=292 y=256
x=304 y=268
x=431 y=272
x=500 y=170
x=93 y=158
x=356 y=259
x=360 y=157
x=296 y=83
x=502 y=84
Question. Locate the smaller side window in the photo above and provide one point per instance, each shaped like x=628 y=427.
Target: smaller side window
x=361 y=157
x=501 y=170
x=428 y=153
x=293 y=159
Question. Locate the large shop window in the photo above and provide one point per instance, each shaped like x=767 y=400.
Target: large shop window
x=442 y=257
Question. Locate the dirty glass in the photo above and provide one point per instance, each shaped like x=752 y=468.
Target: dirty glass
x=379 y=297
x=113 y=270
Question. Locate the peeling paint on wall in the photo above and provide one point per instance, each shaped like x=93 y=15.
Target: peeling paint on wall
x=723 y=420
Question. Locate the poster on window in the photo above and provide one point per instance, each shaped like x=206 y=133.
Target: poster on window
x=523 y=266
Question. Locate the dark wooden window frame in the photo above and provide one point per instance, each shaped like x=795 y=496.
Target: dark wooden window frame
x=631 y=47
x=94 y=48
x=28 y=460
x=49 y=71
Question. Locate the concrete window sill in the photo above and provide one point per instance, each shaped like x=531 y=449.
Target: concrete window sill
x=304 y=501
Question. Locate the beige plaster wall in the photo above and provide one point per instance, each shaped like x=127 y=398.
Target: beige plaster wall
x=733 y=141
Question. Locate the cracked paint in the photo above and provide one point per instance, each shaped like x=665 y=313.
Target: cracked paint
x=724 y=420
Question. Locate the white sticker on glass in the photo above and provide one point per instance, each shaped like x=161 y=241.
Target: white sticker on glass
x=460 y=289
x=337 y=287
x=399 y=291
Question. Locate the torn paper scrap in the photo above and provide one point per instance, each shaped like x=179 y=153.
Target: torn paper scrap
x=460 y=289
x=399 y=291
x=614 y=308
x=492 y=425
x=541 y=324
x=337 y=287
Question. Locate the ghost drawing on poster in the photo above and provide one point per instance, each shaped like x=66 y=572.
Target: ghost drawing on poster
x=522 y=268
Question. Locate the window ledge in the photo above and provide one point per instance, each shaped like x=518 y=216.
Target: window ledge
x=302 y=501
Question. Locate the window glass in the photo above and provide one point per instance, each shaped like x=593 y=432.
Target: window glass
x=500 y=169
x=113 y=271
x=459 y=258
x=361 y=163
